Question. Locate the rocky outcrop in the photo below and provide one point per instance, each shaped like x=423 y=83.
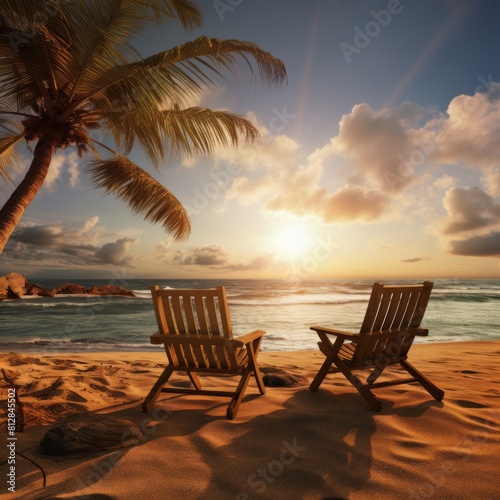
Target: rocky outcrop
x=32 y=289
x=15 y=285
x=70 y=288
x=110 y=290
x=78 y=437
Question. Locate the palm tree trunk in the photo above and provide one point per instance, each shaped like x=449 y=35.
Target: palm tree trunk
x=14 y=208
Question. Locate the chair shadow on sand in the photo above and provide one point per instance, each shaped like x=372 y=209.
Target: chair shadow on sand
x=318 y=446
x=290 y=449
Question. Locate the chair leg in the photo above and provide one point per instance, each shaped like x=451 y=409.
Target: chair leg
x=151 y=398
x=322 y=372
x=433 y=390
x=370 y=398
x=253 y=349
x=374 y=375
x=195 y=380
x=234 y=405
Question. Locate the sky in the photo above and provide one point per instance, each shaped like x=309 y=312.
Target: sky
x=379 y=157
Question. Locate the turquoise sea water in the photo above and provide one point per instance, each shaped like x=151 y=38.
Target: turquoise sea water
x=458 y=310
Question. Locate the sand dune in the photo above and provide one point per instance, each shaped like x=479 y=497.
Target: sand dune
x=289 y=443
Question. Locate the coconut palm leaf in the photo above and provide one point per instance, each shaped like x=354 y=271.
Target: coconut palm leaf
x=142 y=193
x=8 y=153
x=182 y=72
x=175 y=131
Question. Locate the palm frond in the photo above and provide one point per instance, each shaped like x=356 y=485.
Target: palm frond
x=186 y=11
x=101 y=38
x=188 y=131
x=214 y=53
x=180 y=74
x=142 y=193
x=9 y=157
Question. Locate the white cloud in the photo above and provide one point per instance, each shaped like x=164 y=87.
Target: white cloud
x=62 y=163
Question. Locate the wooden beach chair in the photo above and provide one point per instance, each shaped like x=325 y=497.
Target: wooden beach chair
x=391 y=322
x=195 y=328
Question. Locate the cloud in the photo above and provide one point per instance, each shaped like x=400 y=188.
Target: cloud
x=468 y=133
x=62 y=163
x=210 y=255
x=469 y=209
x=57 y=245
x=379 y=145
x=116 y=253
x=478 y=246
x=491 y=180
x=214 y=257
x=474 y=217
x=412 y=260
x=260 y=263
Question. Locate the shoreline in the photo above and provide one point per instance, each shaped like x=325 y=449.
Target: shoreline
x=414 y=448
x=153 y=350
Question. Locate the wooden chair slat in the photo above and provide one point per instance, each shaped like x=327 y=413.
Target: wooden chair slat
x=410 y=310
x=372 y=308
x=382 y=312
x=224 y=315
x=178 y=316
x=395 y=297
x=169 y=323
x=209 y=353
x=403 y=302
x=201 y=314
x=187 y=302
x=212 y=316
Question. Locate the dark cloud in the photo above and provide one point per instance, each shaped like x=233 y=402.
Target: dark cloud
x=469 y=209
x=478 y=246
x=45 y=236
x=211 y=255
x=56 y=245
x=412 y=260
x=216 y=257
x=116 y=253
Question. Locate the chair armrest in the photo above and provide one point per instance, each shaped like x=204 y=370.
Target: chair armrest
x=248 y=337
x=338 y=333
x=419 y=332
x=157 y=338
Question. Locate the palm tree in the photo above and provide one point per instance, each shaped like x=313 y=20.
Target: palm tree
x=69 y=67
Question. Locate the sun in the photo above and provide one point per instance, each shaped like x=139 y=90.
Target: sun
x=292 y=240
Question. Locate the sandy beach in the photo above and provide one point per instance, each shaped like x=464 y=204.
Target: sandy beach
x=289 y=443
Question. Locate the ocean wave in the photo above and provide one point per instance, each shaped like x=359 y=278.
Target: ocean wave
x=469 y=297
x=298 y=301
x=73 y=345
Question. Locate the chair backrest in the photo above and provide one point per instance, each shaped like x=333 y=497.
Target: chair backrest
x=395 y=307
x=391 y=310
x=192 y=312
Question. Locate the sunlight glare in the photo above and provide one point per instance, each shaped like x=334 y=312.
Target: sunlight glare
x=292 y=240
